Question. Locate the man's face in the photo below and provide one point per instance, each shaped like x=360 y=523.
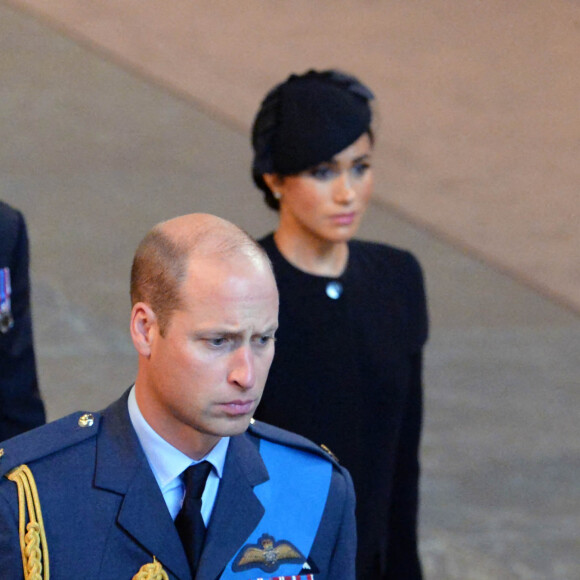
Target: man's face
x=205 y=377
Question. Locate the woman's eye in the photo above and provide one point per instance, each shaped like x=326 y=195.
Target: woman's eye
x=322 y=173
x=361 y=168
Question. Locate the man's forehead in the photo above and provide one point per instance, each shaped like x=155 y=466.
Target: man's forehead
x=235 y=275
x=224 y=264
x=231 y=304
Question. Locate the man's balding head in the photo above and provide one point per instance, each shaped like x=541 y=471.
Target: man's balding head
x=162 y=258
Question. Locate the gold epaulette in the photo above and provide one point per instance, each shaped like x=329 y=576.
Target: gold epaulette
x=32 y=537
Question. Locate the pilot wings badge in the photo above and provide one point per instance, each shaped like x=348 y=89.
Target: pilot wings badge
x=267 y=554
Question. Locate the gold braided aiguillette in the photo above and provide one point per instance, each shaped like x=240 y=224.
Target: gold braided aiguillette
x=32 y=536
x=151 y=571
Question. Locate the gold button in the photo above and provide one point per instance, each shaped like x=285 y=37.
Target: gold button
x=86 y=420
x=1 y=452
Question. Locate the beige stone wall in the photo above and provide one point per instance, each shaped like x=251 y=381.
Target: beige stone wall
x=477 y=101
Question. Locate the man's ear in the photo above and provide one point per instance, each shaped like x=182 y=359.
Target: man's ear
x=143 y=327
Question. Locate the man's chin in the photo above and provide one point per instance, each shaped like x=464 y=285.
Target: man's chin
x=230 y=426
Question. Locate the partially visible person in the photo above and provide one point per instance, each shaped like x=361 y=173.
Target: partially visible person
x=353 y=319
x=21 y=407
x=128 y=493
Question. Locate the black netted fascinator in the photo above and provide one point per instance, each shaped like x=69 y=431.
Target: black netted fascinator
x=307 y=119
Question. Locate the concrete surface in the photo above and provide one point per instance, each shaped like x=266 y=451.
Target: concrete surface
x=95 y=154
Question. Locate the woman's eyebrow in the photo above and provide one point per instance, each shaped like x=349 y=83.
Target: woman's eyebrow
x=334 y=162
x=363 y=157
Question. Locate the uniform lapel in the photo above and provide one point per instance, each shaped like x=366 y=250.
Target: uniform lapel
x=122 y=468
x=237 y=510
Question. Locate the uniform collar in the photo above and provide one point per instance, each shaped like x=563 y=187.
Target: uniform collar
x=166 y=461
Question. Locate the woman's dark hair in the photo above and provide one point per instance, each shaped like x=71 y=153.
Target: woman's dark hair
x=306 y=120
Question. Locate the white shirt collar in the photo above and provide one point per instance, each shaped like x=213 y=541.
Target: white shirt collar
x=165 y=460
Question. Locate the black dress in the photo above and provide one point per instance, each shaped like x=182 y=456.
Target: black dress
x=347 y=374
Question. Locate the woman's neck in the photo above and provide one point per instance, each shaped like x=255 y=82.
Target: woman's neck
x=315 y=256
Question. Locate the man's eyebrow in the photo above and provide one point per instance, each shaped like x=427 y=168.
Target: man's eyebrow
x=217 y=332
x=270 y=329
x=233 y=333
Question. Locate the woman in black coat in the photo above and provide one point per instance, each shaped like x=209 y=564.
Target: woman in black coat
x=353 y=320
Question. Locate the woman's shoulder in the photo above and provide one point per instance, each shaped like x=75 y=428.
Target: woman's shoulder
x=382 y=256
x=267 y=241
x=280 y=264
x=394 y=272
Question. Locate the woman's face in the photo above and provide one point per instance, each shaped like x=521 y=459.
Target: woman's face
x=326 y=203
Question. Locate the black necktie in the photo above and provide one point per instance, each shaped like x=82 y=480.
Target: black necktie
x=189 y=522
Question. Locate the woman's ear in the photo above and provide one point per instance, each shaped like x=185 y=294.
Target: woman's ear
x=143 y=327
x=273 y=181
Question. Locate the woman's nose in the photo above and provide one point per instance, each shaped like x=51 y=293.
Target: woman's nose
x=344 y=191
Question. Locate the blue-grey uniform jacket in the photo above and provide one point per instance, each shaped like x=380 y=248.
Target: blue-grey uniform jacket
x=105 y=516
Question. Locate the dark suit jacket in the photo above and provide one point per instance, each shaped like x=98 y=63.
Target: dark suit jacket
x=20 y=405
x=105 y=516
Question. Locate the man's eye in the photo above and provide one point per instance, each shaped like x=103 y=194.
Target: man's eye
x=264 y=340
x=216 y=342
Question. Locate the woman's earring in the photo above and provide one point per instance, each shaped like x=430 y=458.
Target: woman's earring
x=277 y=195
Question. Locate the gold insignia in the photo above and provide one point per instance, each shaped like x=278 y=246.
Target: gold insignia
x=1 y=453
x=329 y=452
x=267 y=554
x=86 y=420
x=152 y=571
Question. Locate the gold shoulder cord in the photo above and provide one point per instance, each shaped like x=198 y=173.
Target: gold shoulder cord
x=32 y=537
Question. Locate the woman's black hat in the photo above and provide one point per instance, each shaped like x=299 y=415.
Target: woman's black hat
x=308 y=119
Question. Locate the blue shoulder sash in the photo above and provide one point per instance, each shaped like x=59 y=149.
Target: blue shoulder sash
x=294 y=498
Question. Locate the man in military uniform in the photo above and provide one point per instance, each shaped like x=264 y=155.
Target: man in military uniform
x=20 y=405
x=103 y=495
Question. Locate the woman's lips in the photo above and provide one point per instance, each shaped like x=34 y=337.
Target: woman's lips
x=343 y=219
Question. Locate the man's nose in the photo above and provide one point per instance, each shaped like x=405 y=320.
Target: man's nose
x=243 y=372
